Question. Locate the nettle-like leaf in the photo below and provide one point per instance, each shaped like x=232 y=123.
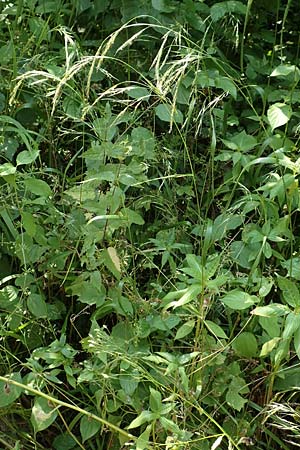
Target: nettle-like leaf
x=279 y=114
x=236 y=389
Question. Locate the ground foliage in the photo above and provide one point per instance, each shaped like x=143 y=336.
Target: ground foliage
x=149 y=213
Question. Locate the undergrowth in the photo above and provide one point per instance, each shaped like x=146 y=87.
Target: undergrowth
x=150 y=267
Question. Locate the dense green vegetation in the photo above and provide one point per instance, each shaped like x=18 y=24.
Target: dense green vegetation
x=150 y=263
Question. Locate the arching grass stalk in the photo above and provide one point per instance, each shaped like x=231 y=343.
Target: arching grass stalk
x=70 y=406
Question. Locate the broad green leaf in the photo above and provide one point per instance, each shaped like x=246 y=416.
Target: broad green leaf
x=167 y=114
x=239 y=300
x=27 y=157
x=271 y=325
x=185 y=329
x=7 y=169
x=155 y=400
x=8 y=392
x=236 y=389
x=128 y=383
x=37 y=305
x=43 y=414
x=293 y=267
x=220 y=9
x=284 y=70
x=189 y=294
x=241 y=142
x=162 y=6
x=142 y=442
x=131 y=217
x=38 y=187
x=215 y=329
x=29 y=223
x=245 y=345
x=145 y=416
x=195 y=268
x=64 y=442
x=169 y=425
x=279 y=114
x=88 y=427
x=292 y=324
x=235 y=400
x=290 y=292
x=227 y=85
x=269 y=346
x=282 y=351
x=139 y=93
x=272 y=310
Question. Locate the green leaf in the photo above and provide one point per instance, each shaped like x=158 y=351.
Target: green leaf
x=219 y=10
x=142 y=442
x=237 y=387
x=37 y=305
x=88 y=427
x=7 y=169
x=235 y=400
x=239 y=300
x=162 y=6
x=292 y=324
x=185 y=329
x=284 y=70
x=27 y=157
x=215 y=329
x=128 y=383
x=38 y=187
x=290 y=292
x=168 y=114
x=293 y=267
x=111 y=261
x=155 y=400
x=145 y=416
x=8 y=392
x=269 y=346
x=43 y=414
x=279 y=114
x=139 y=93
x=64 y=442
x=297 y=342
x=186 y=296
x=29 y=223
x=272 y=310
x=241 y=142
x=227 y=85
x=245 y=345
x=131 y=216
